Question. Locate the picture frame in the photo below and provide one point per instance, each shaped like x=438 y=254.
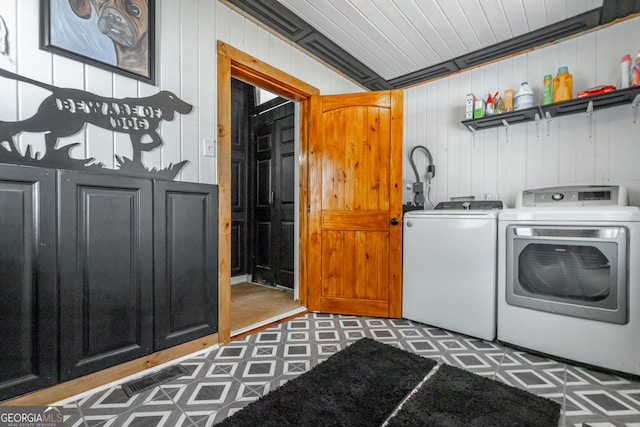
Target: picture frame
x=119 y=39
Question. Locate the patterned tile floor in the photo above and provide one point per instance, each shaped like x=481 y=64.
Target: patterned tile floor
x=224 y=379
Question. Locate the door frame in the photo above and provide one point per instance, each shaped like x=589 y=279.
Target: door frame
x=237 y=64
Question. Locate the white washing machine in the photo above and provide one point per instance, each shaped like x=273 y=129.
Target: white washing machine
x=449 y=267
x=569 y=275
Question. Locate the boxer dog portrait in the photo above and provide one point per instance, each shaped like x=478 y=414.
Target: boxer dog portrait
x=126 y=22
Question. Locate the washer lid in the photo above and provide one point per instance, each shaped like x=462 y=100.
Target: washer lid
x=491 y=215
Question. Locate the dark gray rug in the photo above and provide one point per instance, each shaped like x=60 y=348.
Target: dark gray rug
x=363 y=384
x=453 y=397
x=358 y=386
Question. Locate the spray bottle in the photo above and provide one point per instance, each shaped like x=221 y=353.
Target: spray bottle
x=490 y=107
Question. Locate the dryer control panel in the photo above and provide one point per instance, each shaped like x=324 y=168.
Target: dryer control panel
x=589 y=195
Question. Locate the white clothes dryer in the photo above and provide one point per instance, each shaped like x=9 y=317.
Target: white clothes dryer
x=449 y=267
x=569 y=276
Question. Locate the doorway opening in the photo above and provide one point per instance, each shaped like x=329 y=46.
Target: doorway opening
x=237 y=64
x=263 y=198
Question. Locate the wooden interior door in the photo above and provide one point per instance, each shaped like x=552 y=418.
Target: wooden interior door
x=355 y=210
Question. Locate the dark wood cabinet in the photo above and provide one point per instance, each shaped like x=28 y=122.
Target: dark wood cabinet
x=105 y=250
x=97 y=270
x=186 y=271
x=28 y=296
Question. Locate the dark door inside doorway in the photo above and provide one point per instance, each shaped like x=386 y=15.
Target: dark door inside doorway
x=262 y=188
x=275 y=196
x=242 y=102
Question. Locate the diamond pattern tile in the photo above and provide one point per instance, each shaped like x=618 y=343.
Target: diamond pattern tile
x=530 y=379
x=608 y=403
x=224 y=379
x=152 y=416
x=72 y=415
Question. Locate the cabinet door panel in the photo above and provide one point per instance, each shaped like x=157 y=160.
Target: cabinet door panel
x=105 y=257
x=186 y=266
x=28 y=311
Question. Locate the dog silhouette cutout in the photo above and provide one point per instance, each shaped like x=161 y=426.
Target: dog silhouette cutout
x=66 y=111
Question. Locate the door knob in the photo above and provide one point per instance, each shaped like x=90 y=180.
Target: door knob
x=394 y=221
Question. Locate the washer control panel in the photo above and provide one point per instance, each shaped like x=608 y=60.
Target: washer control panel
x=469 y=205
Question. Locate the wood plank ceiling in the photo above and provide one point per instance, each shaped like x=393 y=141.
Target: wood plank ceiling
x=385 y=44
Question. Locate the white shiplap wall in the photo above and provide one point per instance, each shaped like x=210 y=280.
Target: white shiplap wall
x=187 y=31
x=496 y=163
x=186 y=43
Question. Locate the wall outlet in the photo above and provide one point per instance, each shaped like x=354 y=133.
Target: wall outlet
x=210 y=147
x=407 y=193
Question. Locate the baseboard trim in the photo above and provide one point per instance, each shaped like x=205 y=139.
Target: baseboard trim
x=240 y=279
x=104 y=378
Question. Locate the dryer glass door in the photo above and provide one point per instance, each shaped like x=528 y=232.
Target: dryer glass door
x=579 y=272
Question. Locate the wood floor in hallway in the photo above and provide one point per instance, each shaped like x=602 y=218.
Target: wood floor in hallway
x=253 y=303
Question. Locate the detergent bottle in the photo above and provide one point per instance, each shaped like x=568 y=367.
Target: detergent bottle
x=548 y=89
x=563 y=85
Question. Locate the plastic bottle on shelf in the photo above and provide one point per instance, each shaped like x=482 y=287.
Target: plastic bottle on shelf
x=524 y=97
x=498 y=104
x=625 y=65
x=563 y=85
x=508 y=100
x=635 y=72
x=548 y=89
x=489 y=107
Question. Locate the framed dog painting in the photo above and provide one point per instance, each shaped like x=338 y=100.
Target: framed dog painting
x=117 y=35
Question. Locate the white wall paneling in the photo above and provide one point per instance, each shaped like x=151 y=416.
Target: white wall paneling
x=169 y=77
x=36 y=66
x=189 y=84
x=207 y=74
x=186 y=56
x=569 y=152
x=489 y=162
